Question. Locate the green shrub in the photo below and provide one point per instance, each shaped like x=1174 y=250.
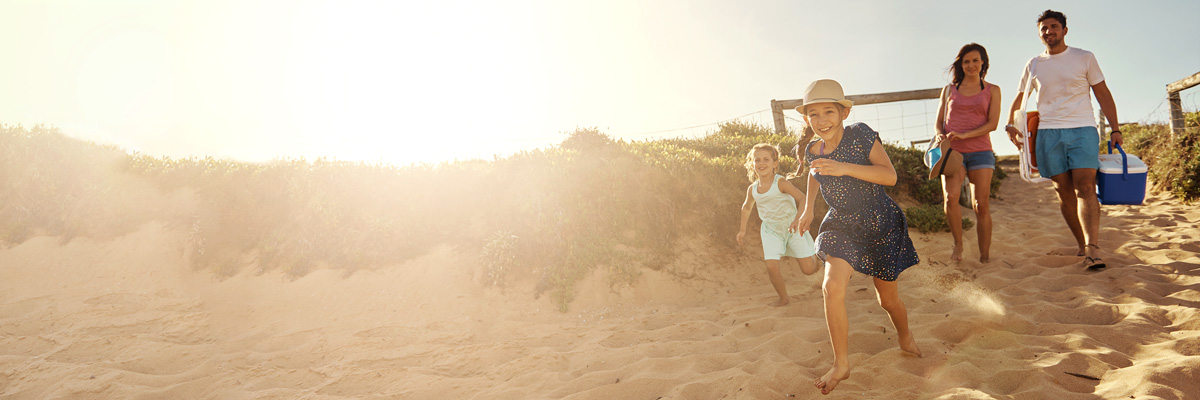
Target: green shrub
x=931 y=218
x=1174 y=163
x=58 y=186
x=912 y=175
x=497 y=257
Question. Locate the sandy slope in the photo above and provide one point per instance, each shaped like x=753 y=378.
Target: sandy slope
x=127 y=318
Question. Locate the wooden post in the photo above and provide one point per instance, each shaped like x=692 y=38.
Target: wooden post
x=1176 y=114
x=777 y=115
x=1173 y=89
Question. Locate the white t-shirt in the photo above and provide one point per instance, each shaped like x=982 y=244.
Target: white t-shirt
x=1064 y=83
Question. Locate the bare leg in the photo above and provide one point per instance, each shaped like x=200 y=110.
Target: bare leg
x=1084 y=180
x=837 y=276
x=888 y=294
x=981 y=185
x=951 y=189
x=808 y=265
x=777 y=282
x=1064 y=185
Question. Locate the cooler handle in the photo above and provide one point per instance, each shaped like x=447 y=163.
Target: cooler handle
x=1124 y=160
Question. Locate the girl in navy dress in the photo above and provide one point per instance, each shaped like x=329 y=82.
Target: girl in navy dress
x=865 y=230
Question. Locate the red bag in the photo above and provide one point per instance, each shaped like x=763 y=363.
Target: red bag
x=1031 y=119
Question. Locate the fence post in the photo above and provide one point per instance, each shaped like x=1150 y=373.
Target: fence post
x=1173 y=89
x=1176 y=114
x=777 y=115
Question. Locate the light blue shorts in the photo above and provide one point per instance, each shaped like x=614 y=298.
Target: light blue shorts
x=777 y=245
x=1062 y=150
x=979 y=160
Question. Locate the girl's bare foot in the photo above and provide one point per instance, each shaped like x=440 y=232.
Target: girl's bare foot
x=831 y=379
x=780 y=303
x=956 y=255
x=984 y=260
x=909 y=345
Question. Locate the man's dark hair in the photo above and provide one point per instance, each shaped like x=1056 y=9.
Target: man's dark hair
x=1062 y=19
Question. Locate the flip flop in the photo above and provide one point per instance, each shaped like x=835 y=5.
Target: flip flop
x=1094 y=264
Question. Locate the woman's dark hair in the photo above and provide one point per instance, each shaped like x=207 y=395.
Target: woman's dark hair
x=1062 y=18
x=957 y=66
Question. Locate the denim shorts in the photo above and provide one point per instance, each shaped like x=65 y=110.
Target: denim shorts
x=1062 y=150
x=979 y=160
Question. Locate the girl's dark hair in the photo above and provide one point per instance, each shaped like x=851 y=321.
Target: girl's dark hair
x=957 y=66
x=1062 y=18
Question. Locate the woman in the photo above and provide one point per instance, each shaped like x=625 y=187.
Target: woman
x=968 y=113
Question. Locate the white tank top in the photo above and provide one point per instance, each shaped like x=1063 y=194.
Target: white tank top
x=777 y=209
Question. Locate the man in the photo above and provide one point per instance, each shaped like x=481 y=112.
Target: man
x=1067 y=139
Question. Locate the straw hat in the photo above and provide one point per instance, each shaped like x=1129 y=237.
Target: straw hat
x=945 y=160
x=824 y=91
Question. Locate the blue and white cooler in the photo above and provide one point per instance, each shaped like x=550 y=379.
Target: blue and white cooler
x=1121 y=178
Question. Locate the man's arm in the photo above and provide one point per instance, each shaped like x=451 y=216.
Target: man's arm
x=1109 y=107
x=1013 y=134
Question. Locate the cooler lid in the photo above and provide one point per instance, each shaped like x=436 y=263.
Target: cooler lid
x=1111 y=164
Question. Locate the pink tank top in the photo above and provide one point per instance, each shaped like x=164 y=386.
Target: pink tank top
x=966 y=113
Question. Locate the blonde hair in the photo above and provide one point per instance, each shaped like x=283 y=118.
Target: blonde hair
x=750 y=158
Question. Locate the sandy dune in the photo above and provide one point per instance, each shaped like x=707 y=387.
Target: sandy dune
x=128 y=319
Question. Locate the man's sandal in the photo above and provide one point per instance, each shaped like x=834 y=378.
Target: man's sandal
x=1094 y=263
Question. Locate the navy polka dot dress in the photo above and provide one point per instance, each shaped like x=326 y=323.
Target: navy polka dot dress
x=864 y=226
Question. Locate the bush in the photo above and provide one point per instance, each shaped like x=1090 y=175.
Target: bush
x=931 y=218
x=1174 y=164
x=58 y=186
x=498 y=257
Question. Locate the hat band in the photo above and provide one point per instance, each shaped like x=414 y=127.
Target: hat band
x=825 y=98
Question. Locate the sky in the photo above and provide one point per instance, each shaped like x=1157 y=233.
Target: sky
x=405 y=82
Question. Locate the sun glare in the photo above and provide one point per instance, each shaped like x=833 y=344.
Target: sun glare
x=396 y=82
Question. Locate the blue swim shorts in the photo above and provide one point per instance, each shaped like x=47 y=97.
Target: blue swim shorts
x=1062 y=150
x=979 y=160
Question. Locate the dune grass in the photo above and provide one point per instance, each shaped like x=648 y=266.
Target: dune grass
x=1174 y=162
x=553 y=215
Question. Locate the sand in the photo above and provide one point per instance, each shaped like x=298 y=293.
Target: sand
x=128 y=318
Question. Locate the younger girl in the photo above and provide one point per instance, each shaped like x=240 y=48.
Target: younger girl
x=864 y=231
x=777 y=199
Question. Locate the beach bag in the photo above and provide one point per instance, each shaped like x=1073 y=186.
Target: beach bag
x=1027 y=123
x=939 y=157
